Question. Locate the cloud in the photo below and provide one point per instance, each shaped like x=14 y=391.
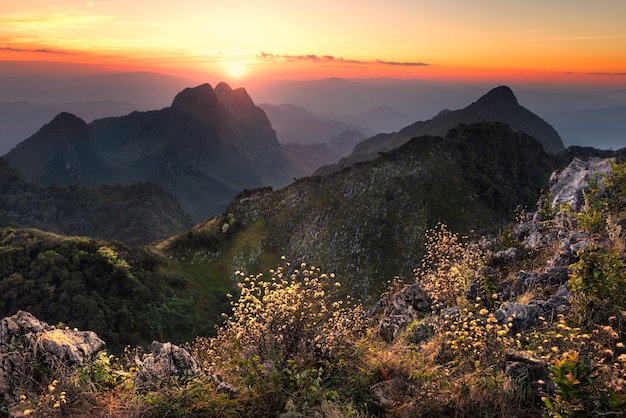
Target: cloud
x=600 y=73
x=324 y=59
x=404 y=63
x=38 y=50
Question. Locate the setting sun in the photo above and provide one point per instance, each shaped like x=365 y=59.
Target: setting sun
x=235 y=69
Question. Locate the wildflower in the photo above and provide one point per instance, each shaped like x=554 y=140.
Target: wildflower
x=483 y=311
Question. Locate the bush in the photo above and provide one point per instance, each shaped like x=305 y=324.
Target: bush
x=285 y=338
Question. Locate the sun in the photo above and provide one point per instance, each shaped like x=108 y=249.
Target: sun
x=235 y=69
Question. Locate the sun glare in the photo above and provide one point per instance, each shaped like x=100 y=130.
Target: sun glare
x=235 y=69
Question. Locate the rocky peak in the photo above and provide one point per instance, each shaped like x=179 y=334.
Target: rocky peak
x=237 y=101
x=257 y=126
x=499 y=96
x=201 y=102
x=72 y=128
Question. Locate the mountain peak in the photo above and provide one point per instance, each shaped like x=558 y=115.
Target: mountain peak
x=197 y=101
x=234 y=100
x=72 y=128
x=222 y=88
x=502 y=95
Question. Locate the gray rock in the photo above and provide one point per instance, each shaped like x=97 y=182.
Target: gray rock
x=227 y=389
x=26 y=342
x=166 y=361
x=569 y=184
x=400 y=309
x=522 y=315
x=506 y=255
x=70 y=346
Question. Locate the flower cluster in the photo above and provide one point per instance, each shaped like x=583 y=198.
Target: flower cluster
x=291 y=316
x=448 y=267
x=474 y=336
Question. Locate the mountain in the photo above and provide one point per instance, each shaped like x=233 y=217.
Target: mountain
x=310 y=157
x=366 y=222
x=204 y=149
x=296 y=124
x=20 y=119
x=136 y=214
x=379 y=119
x=498 y=105
x=344 y=142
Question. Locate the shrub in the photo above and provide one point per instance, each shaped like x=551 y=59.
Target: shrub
x=580 y=391
x=285 y=337
x=598 y=282
x=448 y=267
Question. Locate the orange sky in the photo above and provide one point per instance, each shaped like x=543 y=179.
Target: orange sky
x=548 y=41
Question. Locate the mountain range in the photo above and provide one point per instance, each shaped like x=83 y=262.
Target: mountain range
x=204 y=149
x=498 y=105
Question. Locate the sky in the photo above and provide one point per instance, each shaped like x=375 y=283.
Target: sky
x=555 y=41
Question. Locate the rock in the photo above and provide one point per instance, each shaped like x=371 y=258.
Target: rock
x=522 y=315
x=400 y=309
x=391 y=326
x=569 y=184
x=166 y=361
x=505 y=255
x=227 y=389
x=70 y=346
x=388 y=392
x=525 y=371
x=26 y=342
x=21 y=324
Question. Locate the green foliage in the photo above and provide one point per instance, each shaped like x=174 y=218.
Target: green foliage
x=598 y=282
x=136 y=214
x=581 y=392
x=506 y=239
x=546 y=212
x=605 y=199
x=121 y=293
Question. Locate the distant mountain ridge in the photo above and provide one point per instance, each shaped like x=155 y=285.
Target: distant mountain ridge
x=205 y=148
x=498 y=105
x=136 y=214
x=295 y=124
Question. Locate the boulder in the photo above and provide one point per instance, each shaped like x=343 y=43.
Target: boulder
x=165 y=362
x=522 y=316
x=25 y=341
x=526 y=371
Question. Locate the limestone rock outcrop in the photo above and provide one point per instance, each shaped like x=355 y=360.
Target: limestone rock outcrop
x=25 y=340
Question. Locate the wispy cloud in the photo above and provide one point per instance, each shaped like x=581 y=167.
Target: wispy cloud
x=37 y=50
x=580 y=38
x=326 y=59
x=601 y=73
